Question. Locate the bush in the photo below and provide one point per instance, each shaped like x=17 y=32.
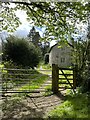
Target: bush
x=20 y=52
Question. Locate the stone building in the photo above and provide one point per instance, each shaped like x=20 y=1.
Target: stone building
x=60 y=55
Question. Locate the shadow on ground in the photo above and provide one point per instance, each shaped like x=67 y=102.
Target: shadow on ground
x=30 y=107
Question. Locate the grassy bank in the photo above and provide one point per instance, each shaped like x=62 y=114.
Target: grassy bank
x=75 y=106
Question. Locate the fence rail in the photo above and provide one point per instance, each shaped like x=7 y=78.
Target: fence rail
x=20 y=80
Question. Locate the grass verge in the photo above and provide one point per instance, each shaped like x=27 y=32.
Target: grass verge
x=74 y=107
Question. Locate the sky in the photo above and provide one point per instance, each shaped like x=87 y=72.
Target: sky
x=25 y=27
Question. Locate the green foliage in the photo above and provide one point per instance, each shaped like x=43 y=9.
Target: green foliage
x=53 y=15
x=85 y=85
x=2 y=70
x=80 y=59
x=59 y=18
x=34 y=37
x=9 y=64
x=20 y=52
x=9 y=19
x=75 y=107
x=45 y=48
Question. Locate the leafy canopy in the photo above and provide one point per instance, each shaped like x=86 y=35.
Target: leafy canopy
x=9 y=21
x=58 y=17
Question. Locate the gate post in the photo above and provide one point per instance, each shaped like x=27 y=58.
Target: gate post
x=55 y=78
x=74 y=76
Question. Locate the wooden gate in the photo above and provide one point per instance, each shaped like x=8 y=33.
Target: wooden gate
x=19 y=81
x=63 y=78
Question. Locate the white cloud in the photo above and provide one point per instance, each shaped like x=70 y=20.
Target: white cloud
x=22 y=16
x=22 y=30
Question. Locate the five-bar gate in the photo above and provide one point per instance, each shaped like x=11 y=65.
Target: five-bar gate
x=63 y=78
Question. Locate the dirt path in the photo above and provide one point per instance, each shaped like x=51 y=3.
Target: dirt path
x=35 y=105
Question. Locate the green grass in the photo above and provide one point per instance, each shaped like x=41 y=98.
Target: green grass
x=36 y=79
x=75 y=107
x=48 y=90
x=44 y=66
x=35 y=83
x=27 y=78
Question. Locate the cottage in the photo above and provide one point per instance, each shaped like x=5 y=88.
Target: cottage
x=60 y=56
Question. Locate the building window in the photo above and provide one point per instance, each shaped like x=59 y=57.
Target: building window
x=62 y=60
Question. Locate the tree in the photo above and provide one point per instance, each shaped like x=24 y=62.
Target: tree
x=9 y=21
x=45 y=47
x=20 y=52
x=34 y=36
x=86 y=85
x=82 y=57
x=58 y=17
x=79 y=60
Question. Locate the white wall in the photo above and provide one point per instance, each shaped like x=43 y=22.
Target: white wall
x=60 y=56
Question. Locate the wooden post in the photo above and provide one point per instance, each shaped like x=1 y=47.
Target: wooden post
x=74 y=76
x=55 y=78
